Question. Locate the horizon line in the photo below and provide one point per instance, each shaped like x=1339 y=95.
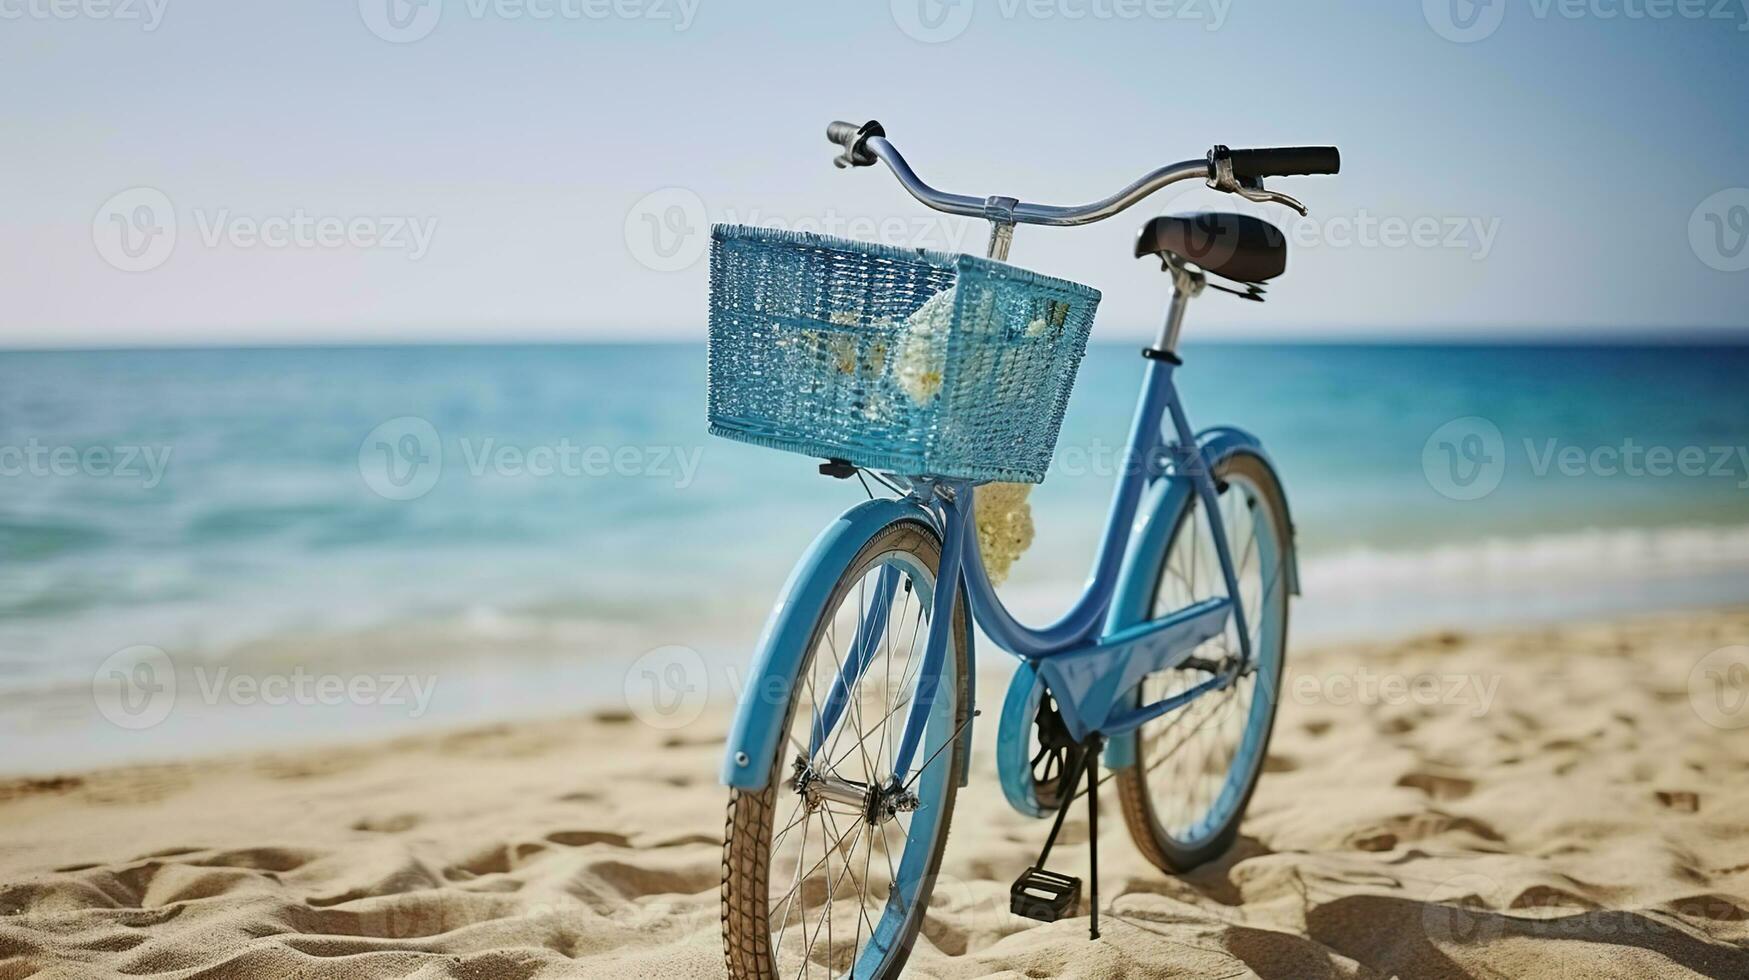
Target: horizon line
x=1456 y=337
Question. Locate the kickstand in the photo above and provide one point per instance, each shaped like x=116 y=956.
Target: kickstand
x=1046 y=895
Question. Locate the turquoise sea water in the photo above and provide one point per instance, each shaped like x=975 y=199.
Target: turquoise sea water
x=227 y=506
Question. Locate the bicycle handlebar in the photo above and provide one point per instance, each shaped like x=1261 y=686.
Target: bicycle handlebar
x=864 y=145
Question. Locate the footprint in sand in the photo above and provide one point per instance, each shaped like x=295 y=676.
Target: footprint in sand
x=1680 y=800
x=583 y=838
x=1550 y=897
x=1437 y=786
x=1408 y=828
x=1718 y=908
x=391 y=824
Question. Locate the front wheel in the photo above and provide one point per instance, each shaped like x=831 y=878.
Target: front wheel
x=827 y=871
x=1195 y=767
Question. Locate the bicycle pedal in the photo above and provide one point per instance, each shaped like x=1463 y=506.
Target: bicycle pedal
x=1044 y=896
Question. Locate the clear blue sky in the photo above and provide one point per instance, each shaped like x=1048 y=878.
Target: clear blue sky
x=1570 y=153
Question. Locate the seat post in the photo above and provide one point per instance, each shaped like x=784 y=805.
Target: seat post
x=1187 y=284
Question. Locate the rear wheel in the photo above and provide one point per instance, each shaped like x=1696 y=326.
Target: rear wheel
x=1196 y=767
x=828 y=870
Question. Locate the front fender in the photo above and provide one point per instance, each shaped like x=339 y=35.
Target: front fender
x=1165 y=500
x=759 y=718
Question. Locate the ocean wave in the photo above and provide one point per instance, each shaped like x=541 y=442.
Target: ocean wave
x=1544 y=559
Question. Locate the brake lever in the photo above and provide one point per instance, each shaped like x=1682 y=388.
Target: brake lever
x=1222 y=179
x=1261 y=196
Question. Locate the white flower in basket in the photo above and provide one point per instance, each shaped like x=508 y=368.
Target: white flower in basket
x=1005 y=528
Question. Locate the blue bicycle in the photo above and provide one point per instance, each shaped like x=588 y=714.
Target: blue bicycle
x=942 y=377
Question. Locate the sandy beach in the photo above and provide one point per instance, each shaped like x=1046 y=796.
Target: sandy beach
x=1565 y=801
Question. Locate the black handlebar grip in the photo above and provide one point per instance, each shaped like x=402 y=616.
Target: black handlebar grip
x=1286 y=161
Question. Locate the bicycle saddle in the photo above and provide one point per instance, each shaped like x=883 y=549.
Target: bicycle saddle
x=1239 y=247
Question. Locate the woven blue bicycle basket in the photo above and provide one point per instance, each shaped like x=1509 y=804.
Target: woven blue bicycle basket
x=901 y=360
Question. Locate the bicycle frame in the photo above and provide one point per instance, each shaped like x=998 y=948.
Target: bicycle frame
x=1089 y=660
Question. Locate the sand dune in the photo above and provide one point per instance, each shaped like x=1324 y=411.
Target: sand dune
x=1560 y=809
